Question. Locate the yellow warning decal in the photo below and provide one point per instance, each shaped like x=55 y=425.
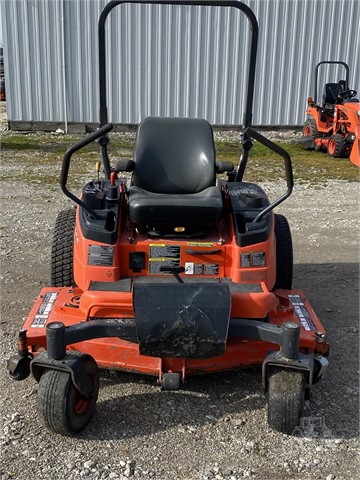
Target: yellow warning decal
x=200 y=244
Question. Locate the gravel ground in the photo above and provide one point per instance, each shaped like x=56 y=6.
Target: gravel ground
x=215 y=427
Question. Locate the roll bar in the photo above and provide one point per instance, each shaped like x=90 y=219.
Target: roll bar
x=247 y=121
x=331 y=62
x=204 y=3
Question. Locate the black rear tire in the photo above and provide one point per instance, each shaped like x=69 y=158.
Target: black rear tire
x=284 y=254
x=62 y=250
x=60 y=405
x=286 y=400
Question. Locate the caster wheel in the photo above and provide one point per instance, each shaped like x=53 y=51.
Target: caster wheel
x=171 y=381
x=286 y=400
x=19 y=366
x=60 y=405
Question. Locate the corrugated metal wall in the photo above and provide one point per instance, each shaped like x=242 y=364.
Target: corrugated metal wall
x=172 y=61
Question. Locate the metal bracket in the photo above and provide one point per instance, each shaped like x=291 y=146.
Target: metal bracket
x=70 y=363
x=303 y=363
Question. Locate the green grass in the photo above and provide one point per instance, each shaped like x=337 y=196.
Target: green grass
x=36 y=159
x=308 y=165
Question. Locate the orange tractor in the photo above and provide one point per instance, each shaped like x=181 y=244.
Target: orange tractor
x=170 y=273
x=334 y=125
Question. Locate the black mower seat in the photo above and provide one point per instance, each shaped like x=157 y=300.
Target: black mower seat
x=174 y=177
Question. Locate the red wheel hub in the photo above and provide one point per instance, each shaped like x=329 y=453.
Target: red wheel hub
x=331 y=147
x=81 y=404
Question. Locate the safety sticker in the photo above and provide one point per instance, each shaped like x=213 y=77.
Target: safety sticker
x=253 y=259
x=192 y=268
x=159 y=250
x=44 y=310
x=162 y=255
x=100 y=256
x=302 y=312
x=200 y=244
x=211 y=268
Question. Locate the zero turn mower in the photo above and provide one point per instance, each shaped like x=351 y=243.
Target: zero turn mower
x=172 y=273
x=334 y=125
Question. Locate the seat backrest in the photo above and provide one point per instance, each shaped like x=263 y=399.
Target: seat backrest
x=174 y=155
x=331 y=92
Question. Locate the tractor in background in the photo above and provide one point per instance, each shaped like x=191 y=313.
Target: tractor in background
x=334 y=124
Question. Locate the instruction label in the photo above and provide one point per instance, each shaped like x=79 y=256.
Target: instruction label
x=192 y=268
x=44 y=310
x=211 y=268
x=100 y=256
x=162 y=255
x=302 y=312
x=253 y=259
x=200 y=244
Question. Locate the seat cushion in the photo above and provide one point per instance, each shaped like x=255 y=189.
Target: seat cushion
x=147 y=208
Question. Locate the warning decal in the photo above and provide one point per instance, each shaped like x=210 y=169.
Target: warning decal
x=200 y=244
x=192 y=268
x=302 y=312
x=44 y=310
x=162 y=255
x=100 y=256
x=211 y=269
x=252 y=259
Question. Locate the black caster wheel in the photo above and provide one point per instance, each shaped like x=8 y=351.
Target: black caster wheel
x=286 y=400
x=19 y=366
x=62 y=408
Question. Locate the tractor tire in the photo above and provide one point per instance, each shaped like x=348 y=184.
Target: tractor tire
x=62 y=250
x=286 y=400
x=284 y=254
x=60 y=405
x=310 y=129
x=337 y=146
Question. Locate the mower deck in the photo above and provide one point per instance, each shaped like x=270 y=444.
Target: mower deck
x=74 y=309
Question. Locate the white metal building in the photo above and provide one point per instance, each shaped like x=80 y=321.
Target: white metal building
x=171 y=60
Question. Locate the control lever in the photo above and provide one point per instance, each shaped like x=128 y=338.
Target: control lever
x=175 y=271
x=97 y=169
x=113 y=190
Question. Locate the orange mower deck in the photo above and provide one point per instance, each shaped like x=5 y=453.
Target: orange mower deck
x=62 y=304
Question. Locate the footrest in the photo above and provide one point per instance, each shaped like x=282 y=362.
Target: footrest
x=182 y=320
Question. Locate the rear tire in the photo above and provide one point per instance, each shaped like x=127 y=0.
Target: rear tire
x=310 y=129
x=337 y=146
x=60 y=405
x=284 y=254
x=62 y=250
x=286 y=400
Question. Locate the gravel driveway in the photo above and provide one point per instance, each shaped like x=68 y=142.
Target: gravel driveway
x=216 y=426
